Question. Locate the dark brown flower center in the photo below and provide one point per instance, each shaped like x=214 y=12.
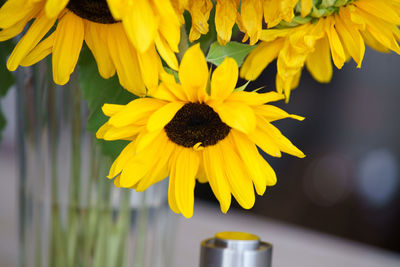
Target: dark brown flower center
x=196 y=123
x=93 y=10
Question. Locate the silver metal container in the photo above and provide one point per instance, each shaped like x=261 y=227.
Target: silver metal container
x=235 y=249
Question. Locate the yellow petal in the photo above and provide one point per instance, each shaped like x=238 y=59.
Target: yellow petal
x=251 y=13
x=68 y=42
x=15 y=11
x=163 y=93
x=94 y=37
x=149 y=63
x=352 y=39
x=239 y=180
x=380 y=9
x=134 y=170
x=54 y=7
x=146 y=138
x=253 y=98
x=260 y=58
x=319 y=62
x=102 y=130
x=187 y=165
x=267 y=170
x=248 y=153
x=337 y=50
x=373 y=43
x=42 y=50
x=141 y=164
x=201 y=174
x=173 y=87
x=224 y=79
x=281 y=141
x=264 y=140
x=381 y=31
x=225 y=17
x=36 y=32
x=272 y=113
x=163 y=116
x=125 y=60
x=169 y=25
x=306 y=6
x=111 y=109
x=127 y=153
x=121 y=133
x=140 y=24
x=200 y=12
x=117 y=8
x=237 y=115
x=135 y=111
x=193 y=72
x=172 y=180
x=273 y=34
x=166 y=52
x=14 y=30
x=160 y=171
x=215 y=171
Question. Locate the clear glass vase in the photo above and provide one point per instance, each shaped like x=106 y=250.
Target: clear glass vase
x=71 y=215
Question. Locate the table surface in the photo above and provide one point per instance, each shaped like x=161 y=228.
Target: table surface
x=293 y=246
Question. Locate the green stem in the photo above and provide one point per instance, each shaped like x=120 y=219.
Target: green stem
x=142 y=227
x=75 y=181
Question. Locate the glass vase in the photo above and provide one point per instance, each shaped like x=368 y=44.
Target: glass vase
x=71 y=215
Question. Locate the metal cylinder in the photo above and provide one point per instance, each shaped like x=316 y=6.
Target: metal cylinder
x=235 y=249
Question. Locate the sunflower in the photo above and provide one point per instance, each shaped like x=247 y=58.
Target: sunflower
x=110 y=29
x=339 y=36
x=249 y=18
x=198 y=130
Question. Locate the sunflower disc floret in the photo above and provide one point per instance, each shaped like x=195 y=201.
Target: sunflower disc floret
x=95 y=11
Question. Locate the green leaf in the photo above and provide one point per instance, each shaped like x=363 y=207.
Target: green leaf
x=98 y=91
x=235 y=50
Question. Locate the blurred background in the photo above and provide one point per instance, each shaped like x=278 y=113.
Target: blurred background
x=347 y=186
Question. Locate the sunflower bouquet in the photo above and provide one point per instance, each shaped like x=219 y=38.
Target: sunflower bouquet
x=168 y=85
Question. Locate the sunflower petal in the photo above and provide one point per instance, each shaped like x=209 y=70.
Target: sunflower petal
x=255 y=99
x=68 y=42
x=137 y=109
x=237 y=115
x=94 y=37
x=54 y=7
x=224 y=79
x=242 y=186
x=36 y=32
x=185 y=180
x=319 y=62
x=248 y=153
x=42 y=50
x=163 y=116
x=141 y=24
x=214 y=169
x=193 y=72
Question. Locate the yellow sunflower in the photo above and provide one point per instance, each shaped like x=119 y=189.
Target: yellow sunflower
x=198 y=130
x=340 y=36
x=249 y=19
x=59 y=28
